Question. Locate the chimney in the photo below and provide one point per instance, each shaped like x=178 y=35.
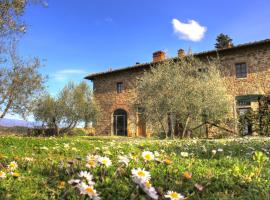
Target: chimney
x=230 y=45
x=181 y=53
x=159 y=56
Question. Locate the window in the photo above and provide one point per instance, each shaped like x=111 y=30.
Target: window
x=204 y=70
x=243 y=103
x=119 y=87
x=241 y=70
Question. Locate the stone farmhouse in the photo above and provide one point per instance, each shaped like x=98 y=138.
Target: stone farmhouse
x=246 y=65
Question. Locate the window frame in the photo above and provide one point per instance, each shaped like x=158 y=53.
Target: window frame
x=119 y=87
x=241 y=73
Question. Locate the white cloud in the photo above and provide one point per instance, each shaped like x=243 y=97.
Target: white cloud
x=108 y=20
x=71 y=71
x=189 y=31
x=62 y=75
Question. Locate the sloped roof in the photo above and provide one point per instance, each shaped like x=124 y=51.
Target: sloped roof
x=204 y=53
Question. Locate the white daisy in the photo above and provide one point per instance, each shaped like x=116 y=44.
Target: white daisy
x=12 y=166
x=156 y=153
x=92 y=161
x=174 y=195
x=28 y=159
x=87 y=176
x=149 y=190
x=92 y=157
x=2 y=174
x=140 y=176
x=148 y=156
x=88 y=190
x=74 y=182
x=184 y=154
x=91 y=164
x=123 y=159
x=220 y=150
x=105 y=161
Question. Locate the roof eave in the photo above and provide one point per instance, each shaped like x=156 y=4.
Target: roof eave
x=205 y=53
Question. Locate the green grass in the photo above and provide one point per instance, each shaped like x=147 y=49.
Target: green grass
x=235 y=173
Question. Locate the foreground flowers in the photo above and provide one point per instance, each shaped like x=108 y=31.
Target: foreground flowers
x=149 y=190
x=15 y=174
x=2 y=174
x=86 y=176
x=187 y=175
x=148 y=156
x=92 y=161
x=174 y=195
x=88 y=190
x=105 y=161
x=124 y=160
x=184 y=154
x=12 y=166
x=86 y=185
x=142 y=178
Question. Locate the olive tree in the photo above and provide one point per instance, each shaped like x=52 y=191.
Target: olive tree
x=20 y=84
x=182 y=92
x=73 y=105
x=11 y=12
x=20 y=80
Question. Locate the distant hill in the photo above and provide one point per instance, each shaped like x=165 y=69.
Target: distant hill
x=16 y=122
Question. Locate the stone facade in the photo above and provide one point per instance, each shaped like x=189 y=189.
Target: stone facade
x=255 y=55
x=109 y=100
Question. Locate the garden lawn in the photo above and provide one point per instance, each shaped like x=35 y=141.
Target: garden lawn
x=198 y=169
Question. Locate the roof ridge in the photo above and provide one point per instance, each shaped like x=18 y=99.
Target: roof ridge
x=243 y=45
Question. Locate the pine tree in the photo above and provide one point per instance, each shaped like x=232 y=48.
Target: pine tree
x=223 y=41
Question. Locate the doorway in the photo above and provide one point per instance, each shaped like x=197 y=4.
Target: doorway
x=120 y=122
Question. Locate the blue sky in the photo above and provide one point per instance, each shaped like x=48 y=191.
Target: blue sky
x=76 y=37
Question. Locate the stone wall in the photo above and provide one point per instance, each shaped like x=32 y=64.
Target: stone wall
x=258 y=65
x=109 y=100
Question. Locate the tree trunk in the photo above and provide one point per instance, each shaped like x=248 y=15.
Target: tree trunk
x=235 y=117
x=206 y=130
x=86 y=124
x=10 y=101
x=172 y=122
x=10 y=95
x=71 y=126
x=160 y=121
x=56 y=130
x=185 y=128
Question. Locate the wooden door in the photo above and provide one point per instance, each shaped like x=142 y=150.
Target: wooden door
x=141 y=126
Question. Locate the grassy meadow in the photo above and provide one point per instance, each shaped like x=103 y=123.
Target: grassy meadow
x=129 y=168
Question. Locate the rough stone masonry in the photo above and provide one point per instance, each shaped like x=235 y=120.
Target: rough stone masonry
x=253 y=57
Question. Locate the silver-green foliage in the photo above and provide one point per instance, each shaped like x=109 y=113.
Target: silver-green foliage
x=11 y=12
x=189 y=89
x=73 y=105
x=20 y=84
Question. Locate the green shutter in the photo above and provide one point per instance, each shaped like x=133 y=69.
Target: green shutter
x=248 y=98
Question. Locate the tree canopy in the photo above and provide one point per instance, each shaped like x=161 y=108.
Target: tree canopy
x=11 y=12
x=188 y=90
x=20 y=84
x=223 y=41
x=20 y=80
x=74 y=104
